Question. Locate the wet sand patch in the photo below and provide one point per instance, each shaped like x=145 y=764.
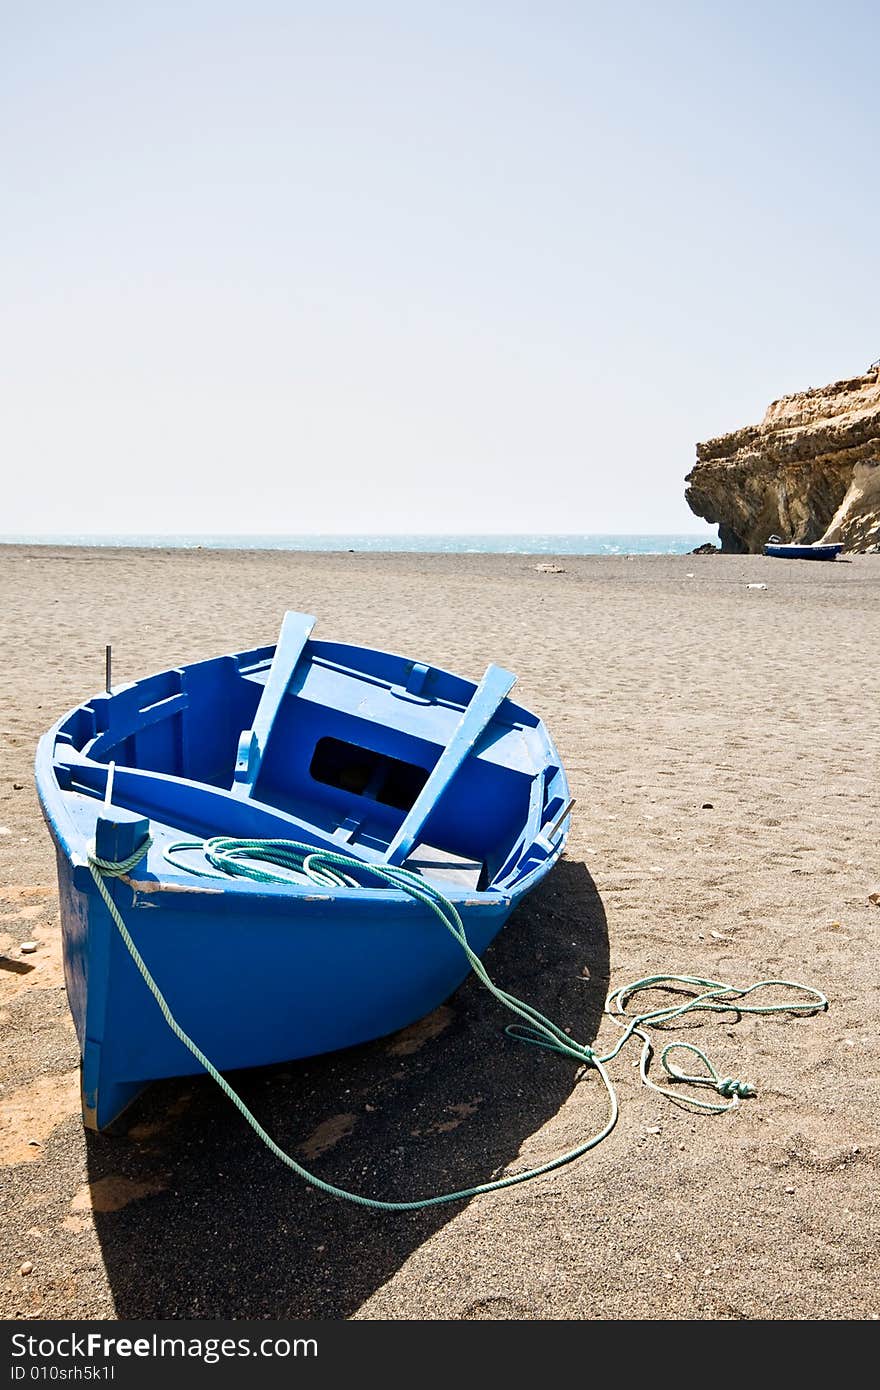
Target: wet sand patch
x=327 y=1135
x=414 y=1038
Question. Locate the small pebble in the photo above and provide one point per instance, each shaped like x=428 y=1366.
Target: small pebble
x=27 y=948
x=707 y=806
x=653 y=1129
x=18 y=786
x=34 y=1143
x=26 y=1268
x=790 y=1191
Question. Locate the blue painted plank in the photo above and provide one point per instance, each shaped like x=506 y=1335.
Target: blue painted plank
x=493 y=688
x=295 y=632
x=196 y=808
x=156 y=713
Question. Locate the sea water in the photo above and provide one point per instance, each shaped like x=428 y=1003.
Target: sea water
x=680 y=544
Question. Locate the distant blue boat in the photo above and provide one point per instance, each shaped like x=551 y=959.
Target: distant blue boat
x=780 y=551
x=390 y=760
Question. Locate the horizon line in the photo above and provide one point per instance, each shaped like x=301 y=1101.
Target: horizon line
x=282 y=535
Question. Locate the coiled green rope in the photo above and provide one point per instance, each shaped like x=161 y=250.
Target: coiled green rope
x=242 y=858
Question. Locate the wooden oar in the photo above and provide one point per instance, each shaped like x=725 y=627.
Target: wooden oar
x=493 y=688
x=295 y=632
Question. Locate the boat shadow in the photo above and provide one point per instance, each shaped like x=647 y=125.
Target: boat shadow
x=195 y=1217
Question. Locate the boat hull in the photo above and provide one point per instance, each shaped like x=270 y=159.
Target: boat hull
x=803 y=552
x=252 y=983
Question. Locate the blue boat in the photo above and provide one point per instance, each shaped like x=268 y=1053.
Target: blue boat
x=386 y=760
x=780 y=550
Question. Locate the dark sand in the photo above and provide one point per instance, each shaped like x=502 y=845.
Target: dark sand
x=663 y=692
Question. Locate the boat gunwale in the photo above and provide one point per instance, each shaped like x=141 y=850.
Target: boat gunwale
x=70 y=840
x=806 y=550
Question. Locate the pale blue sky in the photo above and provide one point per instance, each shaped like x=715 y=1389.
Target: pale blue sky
x=419 y=267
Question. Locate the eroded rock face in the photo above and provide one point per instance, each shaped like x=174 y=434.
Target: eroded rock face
x=809 y=472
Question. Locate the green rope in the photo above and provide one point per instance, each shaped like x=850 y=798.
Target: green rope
x=241 y=858
x=716 y=998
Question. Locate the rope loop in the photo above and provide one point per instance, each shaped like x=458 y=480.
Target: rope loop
x=727 y=1086
x=117 y=868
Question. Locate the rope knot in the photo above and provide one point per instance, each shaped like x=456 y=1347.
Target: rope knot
x=730 y=1087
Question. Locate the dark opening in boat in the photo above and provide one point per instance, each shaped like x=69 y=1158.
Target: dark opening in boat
x=366 y=773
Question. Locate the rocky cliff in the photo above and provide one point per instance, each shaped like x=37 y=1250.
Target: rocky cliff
x=810 y=471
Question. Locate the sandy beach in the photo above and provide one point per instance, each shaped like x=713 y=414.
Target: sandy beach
x=723 y=744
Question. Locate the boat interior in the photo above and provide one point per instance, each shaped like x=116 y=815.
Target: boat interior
x=338 y=746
